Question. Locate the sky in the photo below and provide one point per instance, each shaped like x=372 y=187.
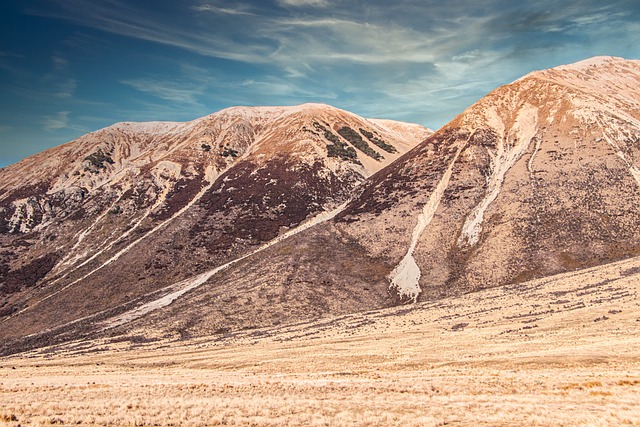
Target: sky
x=68 y=67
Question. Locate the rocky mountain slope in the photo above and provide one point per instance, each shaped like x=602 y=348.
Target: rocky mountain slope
x=537 y=178
x=117 y=214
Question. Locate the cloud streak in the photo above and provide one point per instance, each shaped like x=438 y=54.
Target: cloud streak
x=304 y=3
x=168 y=90
x=222 y=10
x=56 y=122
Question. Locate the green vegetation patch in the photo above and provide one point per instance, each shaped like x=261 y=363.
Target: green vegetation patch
x=377 y=141
x=338 y=148
x=356 y=140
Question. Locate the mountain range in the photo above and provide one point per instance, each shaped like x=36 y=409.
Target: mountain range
x=261 y=216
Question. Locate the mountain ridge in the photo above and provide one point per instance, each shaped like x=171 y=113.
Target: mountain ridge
x=112 y=214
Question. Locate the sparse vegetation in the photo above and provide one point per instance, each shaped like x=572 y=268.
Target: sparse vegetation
x=306 y=129
x=205 y=147
x=228 y=151
x=459 y=326
x=29 y=274
x=8 y=418
x=356 y=140
x=628 y=382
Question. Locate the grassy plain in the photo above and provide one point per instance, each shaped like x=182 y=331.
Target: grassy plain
x=562 y=351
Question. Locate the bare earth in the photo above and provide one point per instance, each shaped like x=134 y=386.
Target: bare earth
x=563 y=351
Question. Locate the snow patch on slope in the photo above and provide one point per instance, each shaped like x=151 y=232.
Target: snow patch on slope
x=508 y=152
x=405 y=277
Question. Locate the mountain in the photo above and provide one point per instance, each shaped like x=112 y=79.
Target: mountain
x=537 y=178
x=100 y=223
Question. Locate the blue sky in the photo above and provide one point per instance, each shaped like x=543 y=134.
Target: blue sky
x=68 y=67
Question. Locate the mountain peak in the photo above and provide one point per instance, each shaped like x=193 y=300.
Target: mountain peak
x=597 y=68
x=274 y=111
x=150 y=128
x=596 y=61
x=509 y=161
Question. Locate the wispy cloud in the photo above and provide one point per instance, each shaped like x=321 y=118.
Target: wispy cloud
x=8 y=54
x=66 y=88
x=59 y=63
x=135 y=21
x=326 y=40
x=303 y=3
x=56 y=122
x=282 y=88
x=168 y=90
x=217 y=9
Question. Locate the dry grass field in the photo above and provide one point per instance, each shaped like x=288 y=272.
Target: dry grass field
x=563 y=351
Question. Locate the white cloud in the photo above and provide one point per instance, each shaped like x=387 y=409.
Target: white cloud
x=330 y=40
x=282 y=88
x=129 y=20
x=7 y=54
x=57 y=122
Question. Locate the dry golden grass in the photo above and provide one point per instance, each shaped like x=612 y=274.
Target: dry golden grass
x=538 y=354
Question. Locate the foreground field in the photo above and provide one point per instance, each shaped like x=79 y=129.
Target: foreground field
x=560 y=351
